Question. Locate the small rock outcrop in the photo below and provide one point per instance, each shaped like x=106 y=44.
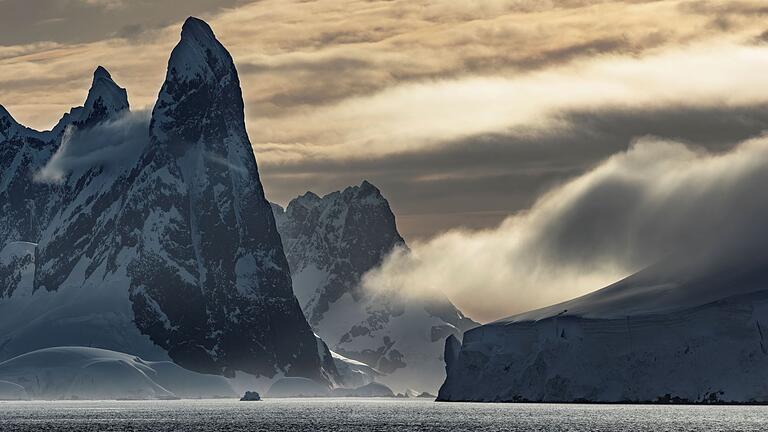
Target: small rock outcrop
x=251 y=396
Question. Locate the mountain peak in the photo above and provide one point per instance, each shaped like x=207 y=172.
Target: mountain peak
x=198 y=29
x=6 y=121
x=367 y=187
x=366 y=194
x=199 y=55
x=101 y=72
x=309 y=196
x=4 y=114
x=201 y=93
x=105 y=99
x=113 y=97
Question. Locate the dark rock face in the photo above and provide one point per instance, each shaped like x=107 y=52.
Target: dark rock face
x=451 y=354
x=250 y=396
x=24 y=203
x=176 y=244
x=17 y=266
x=210 y=283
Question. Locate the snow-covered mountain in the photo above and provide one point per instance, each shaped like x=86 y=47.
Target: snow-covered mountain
x=105 y=100
x=28 y=204
x=330 y=243
x=166 y=249
x=685 y=330
x=23 y=202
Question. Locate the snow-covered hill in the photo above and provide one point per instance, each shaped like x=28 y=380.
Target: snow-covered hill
x=682 y=330
x=92 y=373
x=330 y=243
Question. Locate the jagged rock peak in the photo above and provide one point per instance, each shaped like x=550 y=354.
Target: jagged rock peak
x=101 y=72
x=366 y=192
x=105 y=100
x=198 y=29
x=367 y=186
x=199 y=55
x=201 y=94
x=10 y=128
x=6 y=119
x=105 y=95
x=4 y=114
x=308 y=199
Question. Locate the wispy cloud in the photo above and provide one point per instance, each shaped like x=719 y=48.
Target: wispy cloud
x=414 y=116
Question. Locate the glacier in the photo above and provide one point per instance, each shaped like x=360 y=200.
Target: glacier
x=685 y=330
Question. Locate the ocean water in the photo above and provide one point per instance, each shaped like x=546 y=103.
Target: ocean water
x=379 y=415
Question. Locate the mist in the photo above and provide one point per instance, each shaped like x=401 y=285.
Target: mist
x=658 y=200
x=116 y=142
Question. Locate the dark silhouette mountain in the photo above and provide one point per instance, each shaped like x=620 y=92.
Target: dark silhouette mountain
x=170 y=251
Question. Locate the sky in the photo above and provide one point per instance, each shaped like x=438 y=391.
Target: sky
x=469 y=116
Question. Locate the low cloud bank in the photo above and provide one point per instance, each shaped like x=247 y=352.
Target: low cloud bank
x=658 y=200
x=109 y=144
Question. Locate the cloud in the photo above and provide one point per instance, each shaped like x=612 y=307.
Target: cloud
x=422 y=115
x=108 y=145
x=477 y=181
x=107 y=4
x=306 y=68
x=289 y=49
x=658 y=200
x=84 y=21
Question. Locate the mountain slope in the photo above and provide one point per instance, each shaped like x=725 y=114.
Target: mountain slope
x=23 y=202
x=209 y=280
x=45 y=302
x=28 y=203
x=331 y=242
x=172 y=250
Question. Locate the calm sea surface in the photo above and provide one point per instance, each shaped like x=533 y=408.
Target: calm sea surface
x=370 y=415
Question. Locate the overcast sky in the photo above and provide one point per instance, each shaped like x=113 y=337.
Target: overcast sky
x=463 y=113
